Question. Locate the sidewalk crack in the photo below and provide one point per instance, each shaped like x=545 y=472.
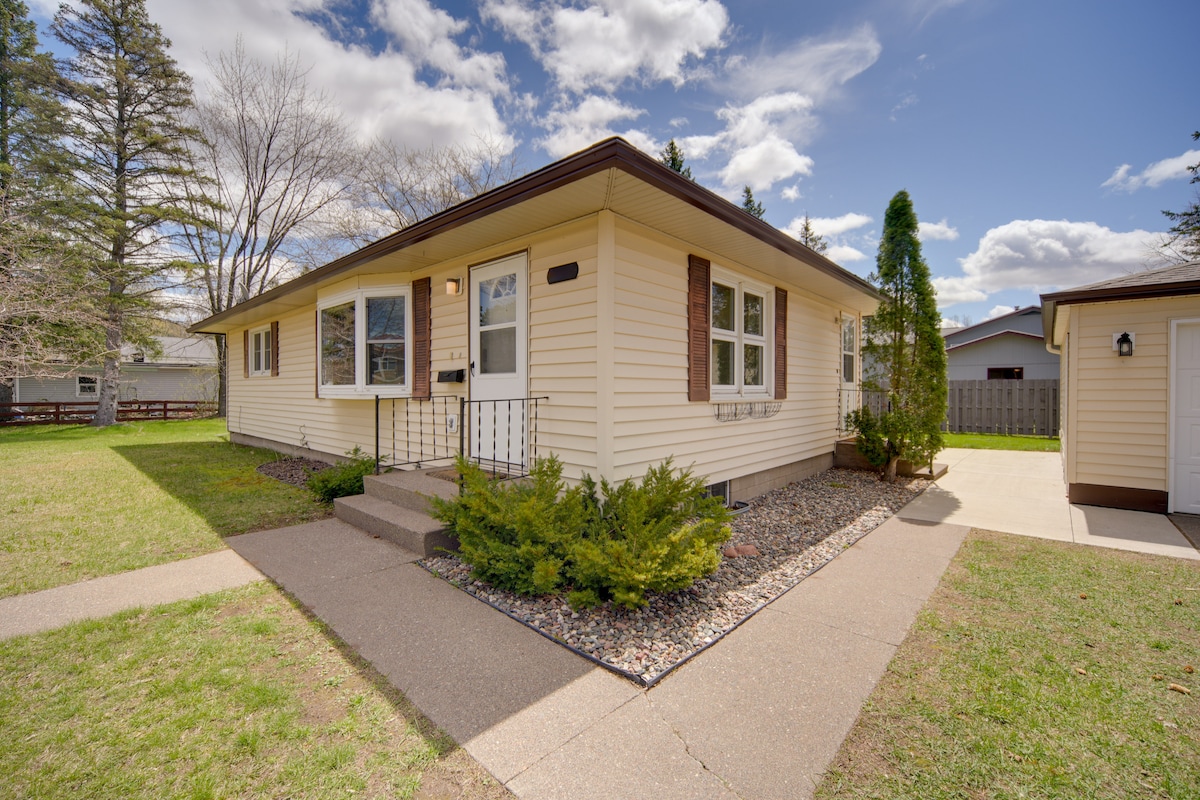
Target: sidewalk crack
x=687 y=749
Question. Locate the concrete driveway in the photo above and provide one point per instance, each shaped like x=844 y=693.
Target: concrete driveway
x=1024 y=493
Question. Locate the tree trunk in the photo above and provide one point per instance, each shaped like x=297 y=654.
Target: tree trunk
x=106 y=394
x=222 y=375
x=889 y=470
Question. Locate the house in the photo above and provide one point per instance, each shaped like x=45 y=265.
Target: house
x=185 y=370
x=604 y=309
x=1006 y=347
x=1130 y=368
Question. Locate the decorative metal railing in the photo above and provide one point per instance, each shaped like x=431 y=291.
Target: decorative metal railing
x=499 y=435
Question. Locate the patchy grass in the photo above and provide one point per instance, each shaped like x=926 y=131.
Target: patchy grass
x=79 y=502
x=235 y=694
x=995 y=441
x=1038 y=669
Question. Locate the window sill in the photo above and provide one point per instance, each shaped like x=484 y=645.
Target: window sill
x=325 y=393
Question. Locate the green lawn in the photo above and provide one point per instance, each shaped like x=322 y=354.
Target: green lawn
x=234 y=694
x=78 y=502
x=993 y=441
x=1038 y=669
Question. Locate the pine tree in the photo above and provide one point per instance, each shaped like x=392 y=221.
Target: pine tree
x=749 y=205
x=128 y=100
x=1182 y=243
x=810 y=238
x=672 y=157
x=903 y=340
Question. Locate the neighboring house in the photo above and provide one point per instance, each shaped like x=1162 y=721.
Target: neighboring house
x=656 y=318
x=1007 y=347
x=186 y=369
x=1130 y=374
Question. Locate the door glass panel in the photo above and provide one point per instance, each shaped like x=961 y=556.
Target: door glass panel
x=722 y=363
x=498 y=351
x=498 y=300
x=722 y=307
x=753 y=321
x=337 y=345
x=754 y=365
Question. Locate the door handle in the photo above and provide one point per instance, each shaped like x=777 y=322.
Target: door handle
x=472 y=368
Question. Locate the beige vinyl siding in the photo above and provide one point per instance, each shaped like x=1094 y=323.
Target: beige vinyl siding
x=1119 y=408
x=652 y=418
x=563 y=346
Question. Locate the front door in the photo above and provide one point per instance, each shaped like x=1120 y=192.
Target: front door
x=497 y=414
x=1185 y=489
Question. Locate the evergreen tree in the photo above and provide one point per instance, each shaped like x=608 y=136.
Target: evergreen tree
x=749 y=205
x=810 y=238
x=1183 y=240
x=128 y=100
x=672 y=157
x=904 y=343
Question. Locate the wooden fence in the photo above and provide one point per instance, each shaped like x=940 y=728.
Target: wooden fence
x=1024 y=407
x=45 y=413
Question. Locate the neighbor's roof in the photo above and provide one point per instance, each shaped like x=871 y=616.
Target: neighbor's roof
x=1007 y=332
x=611 y=175
x=1172 y=281
x=957 y=333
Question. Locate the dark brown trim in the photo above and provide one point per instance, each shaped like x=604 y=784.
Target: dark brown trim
x=422 y=337
x=781 y=374
x=1143 y=292
x=1090 y=494
x=275 y=349
x=246 y=353
x=613 y=153
x=699 y=294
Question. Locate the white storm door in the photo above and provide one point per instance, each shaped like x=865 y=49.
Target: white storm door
x=1185 y=427
x=497 y=414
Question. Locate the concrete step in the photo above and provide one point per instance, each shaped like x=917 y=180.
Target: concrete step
x=410 y=529
x=410 y=489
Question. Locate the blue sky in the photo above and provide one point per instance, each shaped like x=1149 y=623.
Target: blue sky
x=1040 y=141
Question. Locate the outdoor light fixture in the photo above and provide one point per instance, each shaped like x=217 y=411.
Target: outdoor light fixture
x=454 y=286
x=1124 y=344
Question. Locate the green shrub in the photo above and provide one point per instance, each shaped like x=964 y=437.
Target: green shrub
x=657 y=536
x=341 y=480
x=537 y=537
x=514 y=534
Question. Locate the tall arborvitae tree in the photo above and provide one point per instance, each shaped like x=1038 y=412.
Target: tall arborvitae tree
x=749 y=205
x=128 y=102
x=672 y=156
x=810 y=238
x=904 y=343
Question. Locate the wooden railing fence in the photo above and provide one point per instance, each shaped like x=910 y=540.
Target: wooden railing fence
x=47 y=413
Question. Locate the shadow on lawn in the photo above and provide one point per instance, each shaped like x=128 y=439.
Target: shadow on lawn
x=218 y=481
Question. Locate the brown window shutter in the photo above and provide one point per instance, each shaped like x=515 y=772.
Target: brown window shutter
x=274 y=348
x=422 y=334
x=781 y=376
x=699 y=297
x=246 y=353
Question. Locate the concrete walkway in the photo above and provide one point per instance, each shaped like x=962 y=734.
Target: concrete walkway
x=1024 y=493
x=52 y=608
x=758 y=715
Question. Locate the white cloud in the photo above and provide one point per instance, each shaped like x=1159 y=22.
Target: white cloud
x=756 y=138
x=762 y=164
x=813 y=67
x=844 y=253
x=379 y=93
x=578 y=125
x=606 y=43
x=790 y=193
x=1156 y=174
x=1043 y=255
x=836 y=226
x=942 y=231
x=425 y=34
x=999 y=311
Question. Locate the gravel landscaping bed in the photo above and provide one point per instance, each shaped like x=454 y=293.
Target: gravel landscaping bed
x=788 y=534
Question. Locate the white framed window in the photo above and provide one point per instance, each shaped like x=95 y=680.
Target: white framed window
x=741 y=326
x=364 y=343
x=86 y=385
x=260 y=351
x=849 y=350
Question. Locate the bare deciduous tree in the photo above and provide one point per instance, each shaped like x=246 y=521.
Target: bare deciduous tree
x=277 y=157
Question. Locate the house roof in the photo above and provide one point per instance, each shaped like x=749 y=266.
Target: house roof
x=1172 y=281
x=957 y=345
x=611 y=175
x=957 y=333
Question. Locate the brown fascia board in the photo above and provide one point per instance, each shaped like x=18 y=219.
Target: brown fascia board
x=1143 y=292
x=612 y=152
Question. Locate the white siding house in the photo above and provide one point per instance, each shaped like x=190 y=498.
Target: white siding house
x=650 y=317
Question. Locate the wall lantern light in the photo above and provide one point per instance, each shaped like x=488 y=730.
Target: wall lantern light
x=1123 y=344
x=454 y=286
